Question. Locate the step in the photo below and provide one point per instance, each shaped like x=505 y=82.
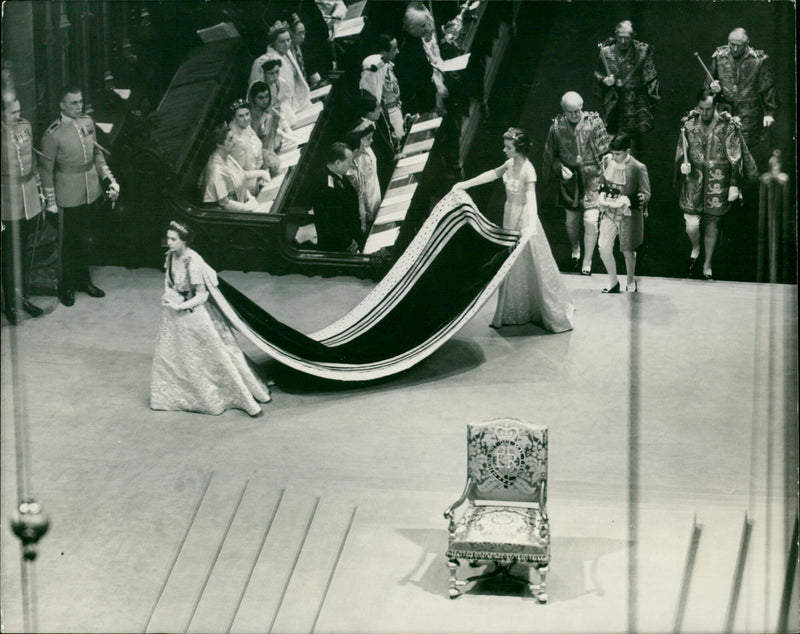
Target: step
x=273 y=567
x=308 y=586
x=231 y=573
x=184 y=581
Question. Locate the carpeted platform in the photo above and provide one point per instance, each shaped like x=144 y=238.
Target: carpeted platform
x=325 y=513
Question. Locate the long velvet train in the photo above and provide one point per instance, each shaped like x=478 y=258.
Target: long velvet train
x=453 y=265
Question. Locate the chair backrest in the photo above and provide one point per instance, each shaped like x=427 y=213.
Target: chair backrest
x=507 y=460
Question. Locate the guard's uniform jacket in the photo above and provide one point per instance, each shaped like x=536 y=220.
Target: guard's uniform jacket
x=72 y=166
x=747 y=86
x=20 y=194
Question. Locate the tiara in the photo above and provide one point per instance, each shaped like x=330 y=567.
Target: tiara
x=279 y=27
x=177 y=225
x=295 y=19
x=515 y=133
x=239 y=103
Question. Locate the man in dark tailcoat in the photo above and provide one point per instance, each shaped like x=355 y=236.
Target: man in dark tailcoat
x=336 y=204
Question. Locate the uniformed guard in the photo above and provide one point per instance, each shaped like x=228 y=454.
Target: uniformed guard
x=575 y=145
x=742 y=79
x=72 y=170
x=377 y=76
x=21 y=203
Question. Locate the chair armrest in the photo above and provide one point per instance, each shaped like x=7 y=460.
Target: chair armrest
x=543 y=499
x=448 y=512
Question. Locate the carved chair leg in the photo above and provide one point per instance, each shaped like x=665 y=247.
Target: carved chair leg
x=452 y=565
x=540 y=590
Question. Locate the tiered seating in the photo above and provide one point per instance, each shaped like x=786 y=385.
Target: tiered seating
x=210 y=78
x=198 y=94
x=419 y=142
x=292 y=151
x=402 y=185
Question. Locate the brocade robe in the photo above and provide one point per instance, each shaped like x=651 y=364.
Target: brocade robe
x=580 y=148
x=719 y=158
x=636 y=90
x=748 y=87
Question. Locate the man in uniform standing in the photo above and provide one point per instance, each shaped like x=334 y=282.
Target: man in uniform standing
x=336 y=204
x=743 y=83
x=575 y=145
x=377 y=77
x=714 y=161
x=627 y=84
x=20 y=204
x=72 y=169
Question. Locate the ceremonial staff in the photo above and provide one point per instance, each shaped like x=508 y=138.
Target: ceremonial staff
x=705 y=68
x=685 y=145
x=604 y=60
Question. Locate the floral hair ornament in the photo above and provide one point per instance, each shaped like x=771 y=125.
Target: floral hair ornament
x=276 y=29
x=515 y=134
x=239 y=103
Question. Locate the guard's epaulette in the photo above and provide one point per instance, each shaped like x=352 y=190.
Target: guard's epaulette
x=757 y=52
x=592 y=115
x=609 y=42
x=721 y=50
x=53 y=126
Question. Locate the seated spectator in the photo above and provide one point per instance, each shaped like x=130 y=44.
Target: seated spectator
x=336 y=204
x=266 y=118
x=365 y=173
x=377 y=77
x=223 y=180
x=293 y=84
x=418 y=63
x=248 y=149
x=298 y=33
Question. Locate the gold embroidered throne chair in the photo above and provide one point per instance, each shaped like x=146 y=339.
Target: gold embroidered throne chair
x=505 y=522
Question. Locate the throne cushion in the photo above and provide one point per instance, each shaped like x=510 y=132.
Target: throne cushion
x=501 y=533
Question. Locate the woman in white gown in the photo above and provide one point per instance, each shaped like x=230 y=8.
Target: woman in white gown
x=198 y=365
x=533 y=290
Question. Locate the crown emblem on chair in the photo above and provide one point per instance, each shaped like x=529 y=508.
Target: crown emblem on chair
x=506 y=460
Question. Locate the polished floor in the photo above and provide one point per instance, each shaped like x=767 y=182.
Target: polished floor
x=324 y=514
